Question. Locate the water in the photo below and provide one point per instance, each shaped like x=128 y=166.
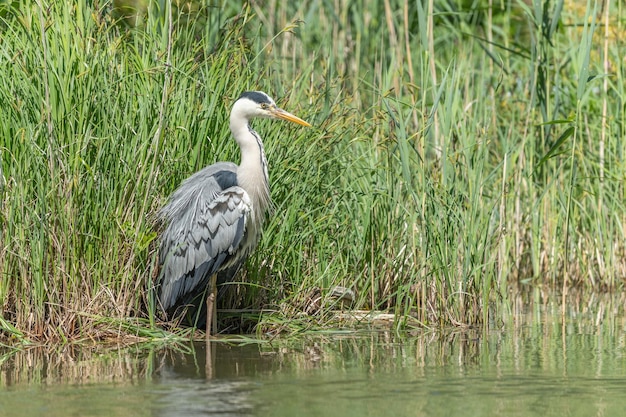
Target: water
x=532 y=370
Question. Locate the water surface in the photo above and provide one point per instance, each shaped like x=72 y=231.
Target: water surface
x=545 y=369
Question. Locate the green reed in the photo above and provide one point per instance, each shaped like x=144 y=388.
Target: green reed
x=453 y=157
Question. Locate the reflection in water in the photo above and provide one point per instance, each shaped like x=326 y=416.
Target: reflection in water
x=194 y=382
x=546 y=367
x=178 y=396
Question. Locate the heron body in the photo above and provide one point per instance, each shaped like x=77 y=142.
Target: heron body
x=214 y=219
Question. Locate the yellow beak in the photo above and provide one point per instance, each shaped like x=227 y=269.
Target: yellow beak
x=282 y=114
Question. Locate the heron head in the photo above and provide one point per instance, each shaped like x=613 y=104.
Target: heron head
x=259 y=104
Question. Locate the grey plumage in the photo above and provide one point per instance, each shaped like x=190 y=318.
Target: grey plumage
x=206 y=223
x=214 y=219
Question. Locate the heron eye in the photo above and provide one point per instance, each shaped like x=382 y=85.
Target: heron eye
x=265 y=106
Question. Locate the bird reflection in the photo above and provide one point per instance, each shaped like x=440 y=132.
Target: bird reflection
x=188 y=385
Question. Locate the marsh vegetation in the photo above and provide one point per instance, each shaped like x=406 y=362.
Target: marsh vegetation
x=465 y=156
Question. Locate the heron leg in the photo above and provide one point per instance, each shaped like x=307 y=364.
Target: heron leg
x=211 y=311
x=214 y=289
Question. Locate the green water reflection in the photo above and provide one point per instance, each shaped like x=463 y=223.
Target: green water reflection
x=542 y=369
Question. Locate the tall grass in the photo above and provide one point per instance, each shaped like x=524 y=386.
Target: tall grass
x=453 y=158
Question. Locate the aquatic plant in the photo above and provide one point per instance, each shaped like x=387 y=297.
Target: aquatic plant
x=461 y=152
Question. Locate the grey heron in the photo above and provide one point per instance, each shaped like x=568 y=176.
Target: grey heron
x=214 y=219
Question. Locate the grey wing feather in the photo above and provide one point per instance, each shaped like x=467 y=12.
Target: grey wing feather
x=206 y=225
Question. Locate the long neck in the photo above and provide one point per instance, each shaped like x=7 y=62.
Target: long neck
x=252 y=174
